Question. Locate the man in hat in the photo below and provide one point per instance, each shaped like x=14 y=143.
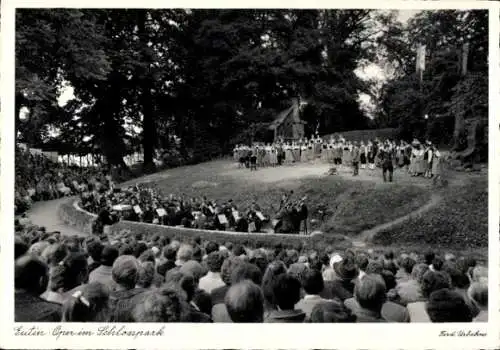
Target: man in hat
x=342 y=286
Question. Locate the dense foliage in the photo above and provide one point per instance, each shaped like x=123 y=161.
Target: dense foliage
x=447 y=93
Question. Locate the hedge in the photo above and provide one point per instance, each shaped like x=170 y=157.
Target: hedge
x=73 y=215
x=367 y=135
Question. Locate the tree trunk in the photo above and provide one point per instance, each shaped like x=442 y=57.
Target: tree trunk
x=148 y=123
x=148 y=130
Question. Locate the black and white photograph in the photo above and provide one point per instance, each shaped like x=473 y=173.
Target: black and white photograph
x=249 y=165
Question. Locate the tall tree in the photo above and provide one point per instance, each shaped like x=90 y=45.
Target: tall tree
x=51 y=43
x=444 y=89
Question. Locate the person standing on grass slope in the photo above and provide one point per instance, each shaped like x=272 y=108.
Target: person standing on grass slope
x=387 y=163
x=362 y=155
x=428 y=157
x=355 y=158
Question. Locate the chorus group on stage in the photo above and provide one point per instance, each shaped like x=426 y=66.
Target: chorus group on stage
x=418 y=159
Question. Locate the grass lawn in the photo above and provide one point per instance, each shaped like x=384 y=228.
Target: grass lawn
x=339 y=206
x=459 y=221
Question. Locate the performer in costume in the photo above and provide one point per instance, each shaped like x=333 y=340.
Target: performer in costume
x=330 y=152
x=428 y=160
x=273 y=158
x=346 y=155
x=355 y=154
x=317 y=147
x=303 y=153
x=337 y=153
x=296 y=152
x=267 y=155
x=236 y=153
x=436 y=164
x=387 y=163
x=421 y=162
x=362 y=155
x=310 y=150
x=417 y=158
x=407 y=156
x=324 y=152
x=288 y=154
x=371 y=155
x=400 y=154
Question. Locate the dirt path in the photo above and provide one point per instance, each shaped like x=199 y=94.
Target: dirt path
x=46 y=214
x=365 y=237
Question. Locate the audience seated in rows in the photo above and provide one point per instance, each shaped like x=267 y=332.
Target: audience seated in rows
x=135 y=278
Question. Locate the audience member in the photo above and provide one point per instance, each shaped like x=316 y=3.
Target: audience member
x=125 y=273
x=245 y=303
x=431 y=282
x=158 y=305
x=331 y=312
x=31 y=280
x=90 y=304
x=369 y=294
x=212 y=279
x=478 y=294
x=286 y=292
x=312 y=285
x=445 y=305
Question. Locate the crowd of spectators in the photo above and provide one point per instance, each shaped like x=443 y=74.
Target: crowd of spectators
x=133 y=278
x=38 y=178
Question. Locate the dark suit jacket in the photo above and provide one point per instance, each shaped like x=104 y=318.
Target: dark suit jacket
x=285 y=316
x=391 y=312
x=338 y=289
x=123 y=303
x=32 y=308
x=218 y=295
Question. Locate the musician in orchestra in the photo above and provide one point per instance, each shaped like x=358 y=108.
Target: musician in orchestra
x=303 y=214
x=252 y=216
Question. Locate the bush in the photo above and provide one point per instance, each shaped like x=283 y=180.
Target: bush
x=367 y=135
